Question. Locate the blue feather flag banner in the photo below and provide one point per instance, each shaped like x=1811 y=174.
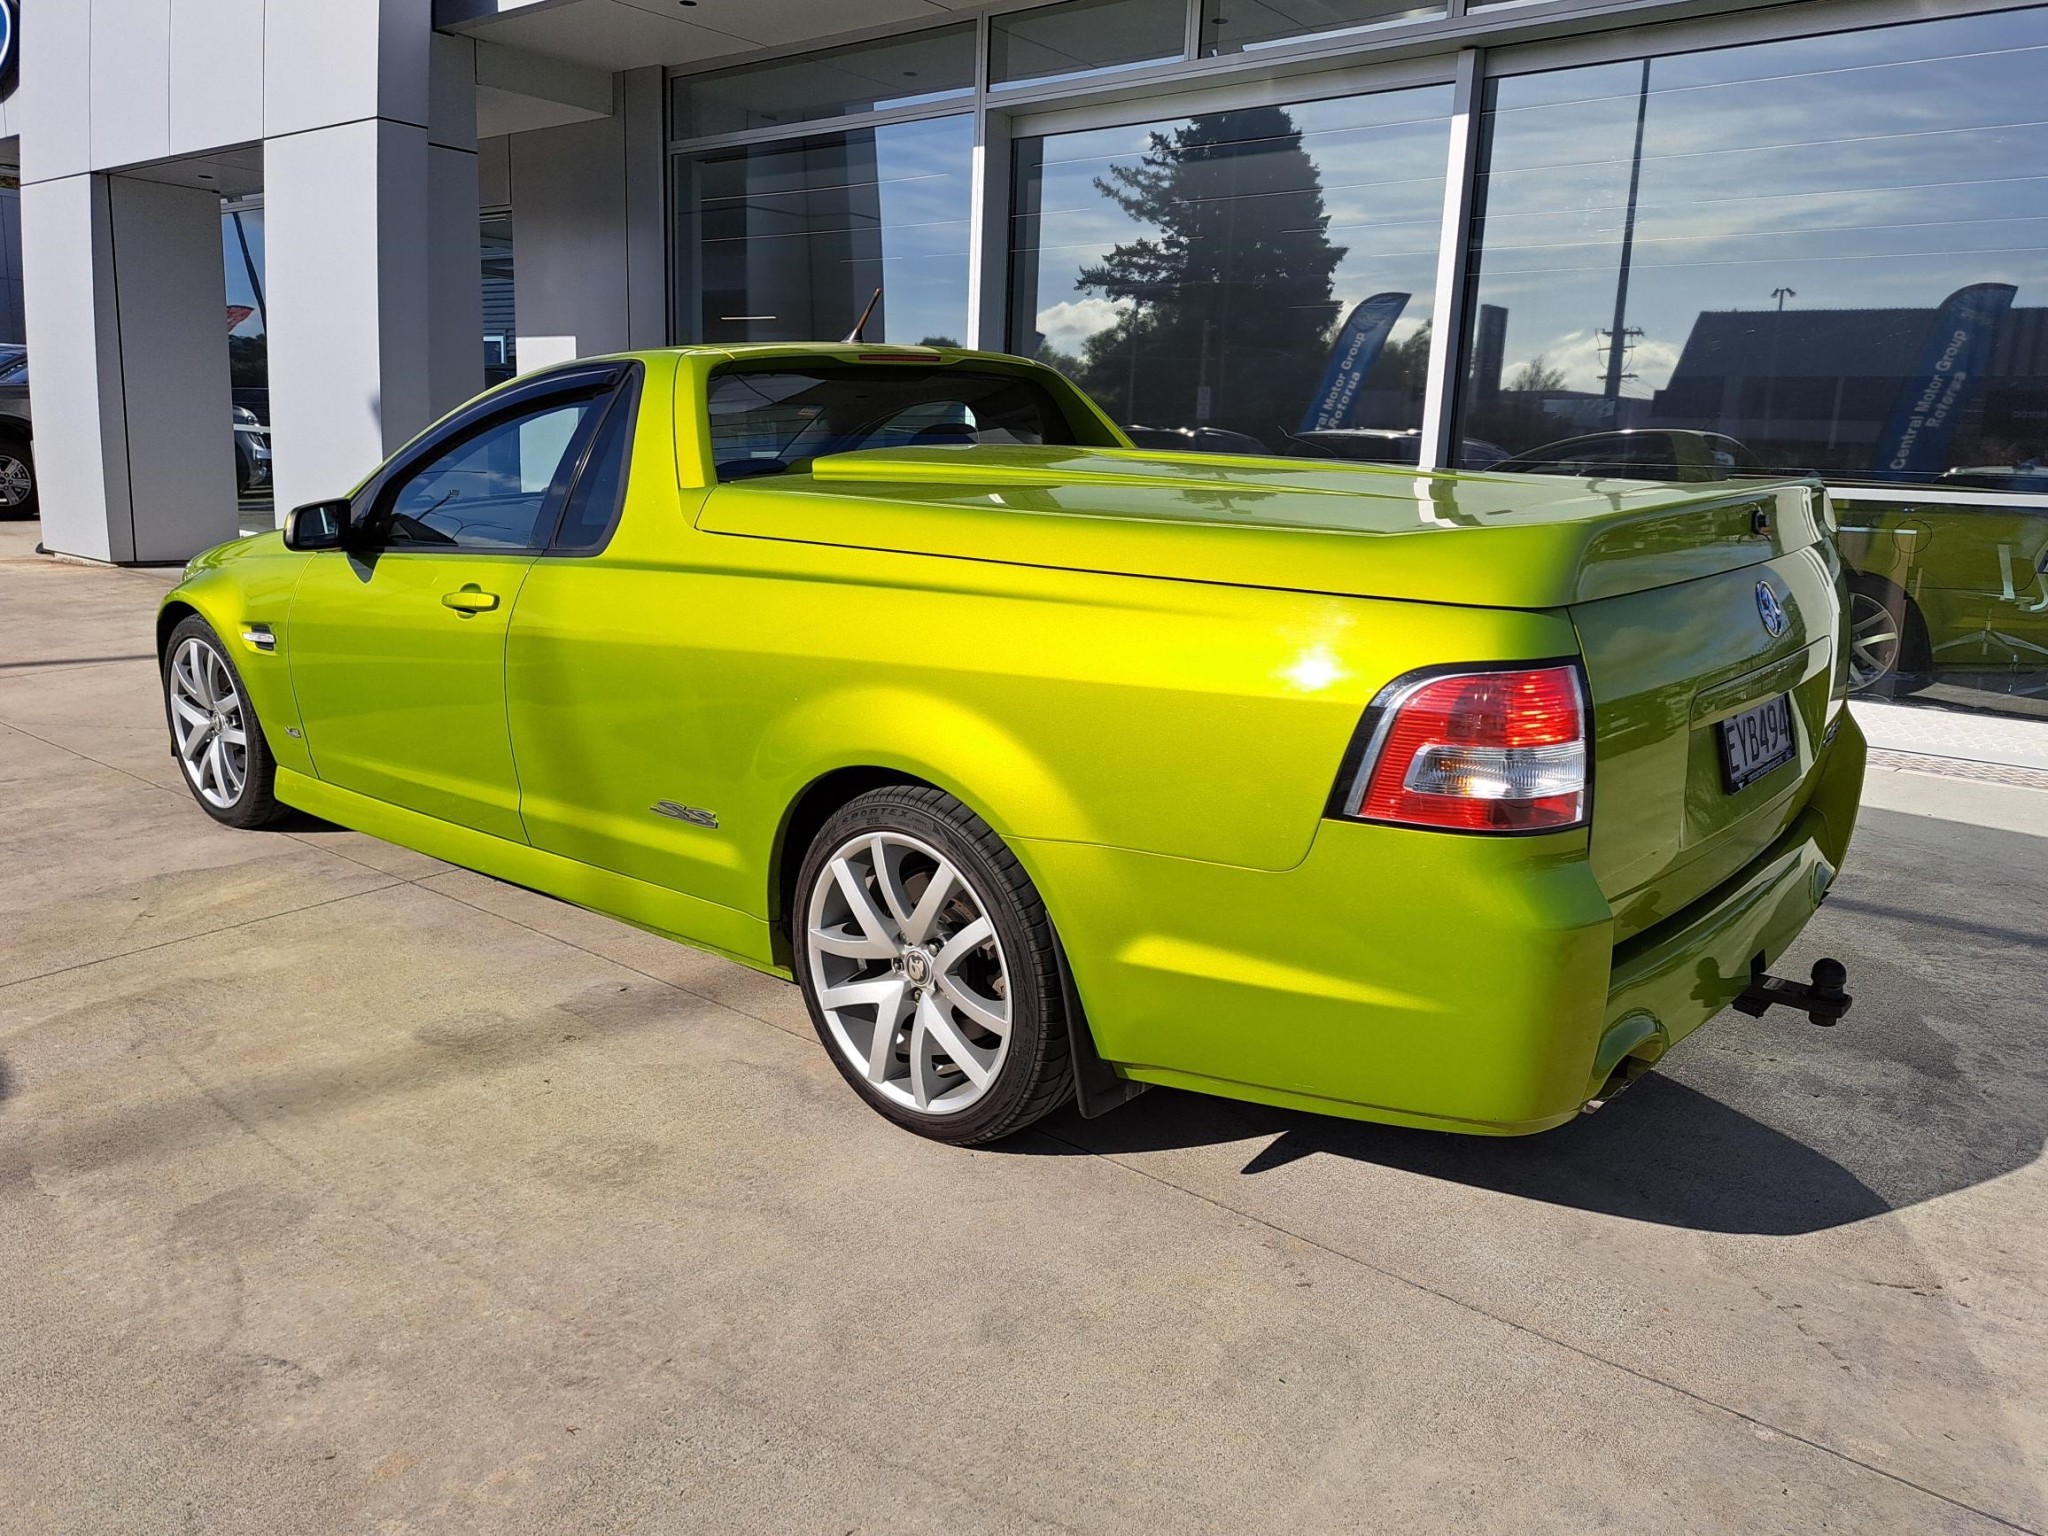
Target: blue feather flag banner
x=1953 y=359
x=1358 y=347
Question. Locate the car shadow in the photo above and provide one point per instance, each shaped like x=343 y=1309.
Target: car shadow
x=1663 y=1152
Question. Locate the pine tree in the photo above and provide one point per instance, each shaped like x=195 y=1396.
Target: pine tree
x=1233 y=288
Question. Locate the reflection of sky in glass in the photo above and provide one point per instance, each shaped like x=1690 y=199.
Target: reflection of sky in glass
x=240 y=290
x=1880 y=169
x=924 y=174
x=1381 y=160
x=885 y=205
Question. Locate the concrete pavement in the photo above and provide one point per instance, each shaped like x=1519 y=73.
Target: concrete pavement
x=341 y=1190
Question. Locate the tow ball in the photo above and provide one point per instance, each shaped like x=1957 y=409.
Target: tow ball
x=1822 y=999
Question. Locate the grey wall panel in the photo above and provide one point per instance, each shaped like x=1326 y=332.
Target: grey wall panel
x=570 y=264
x=174 y=367
x=645 y=147
x=455 y=300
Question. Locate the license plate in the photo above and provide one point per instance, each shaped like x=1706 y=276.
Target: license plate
x=1756 y=741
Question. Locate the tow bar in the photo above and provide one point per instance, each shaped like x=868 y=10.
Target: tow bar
x=1822 y=1000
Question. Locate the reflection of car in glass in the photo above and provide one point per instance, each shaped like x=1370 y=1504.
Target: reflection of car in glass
x=252 y=452
x=1641 y=454
x=1940 y=588
x=2030 y=476
x=1047 y=765
x=19 y=495
x=1384 y=445
x=1196 y=439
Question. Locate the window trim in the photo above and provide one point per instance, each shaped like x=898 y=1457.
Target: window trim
x=627 y=395
x=530 y=395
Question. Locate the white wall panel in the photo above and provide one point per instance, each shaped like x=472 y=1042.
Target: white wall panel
x=67 y=261
x=53 y=103
x=216 y=73
x=131 y=81
x=346 y=220
x=325 y=64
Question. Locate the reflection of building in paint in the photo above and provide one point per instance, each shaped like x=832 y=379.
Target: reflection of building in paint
x=1818 y=385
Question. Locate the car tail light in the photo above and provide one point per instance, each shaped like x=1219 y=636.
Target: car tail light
x=1492 y=751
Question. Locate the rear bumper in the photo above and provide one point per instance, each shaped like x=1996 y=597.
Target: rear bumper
x=1458 y=983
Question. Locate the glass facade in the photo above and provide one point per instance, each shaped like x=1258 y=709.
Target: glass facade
x=790 y=241
x=1196 y=275
x=1819 y=255
x=1084 y=37
x=1235 y=26
x=1730 y=254
x=896 y=72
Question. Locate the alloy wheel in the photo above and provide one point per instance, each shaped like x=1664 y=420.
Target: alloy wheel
x=908 y=972
x=17 y=482
x=209 y=723
x=1875 y=639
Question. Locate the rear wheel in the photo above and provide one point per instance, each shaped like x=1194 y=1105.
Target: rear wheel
x=930 y=969
x=18 y=495
x=1887 y=639
x=214 y=732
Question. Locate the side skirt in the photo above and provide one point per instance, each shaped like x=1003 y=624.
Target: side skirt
x=689 y=920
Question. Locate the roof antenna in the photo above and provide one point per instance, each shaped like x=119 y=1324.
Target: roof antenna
x=854 y=337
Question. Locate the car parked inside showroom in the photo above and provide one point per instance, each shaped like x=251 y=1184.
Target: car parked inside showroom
x=1051 y=767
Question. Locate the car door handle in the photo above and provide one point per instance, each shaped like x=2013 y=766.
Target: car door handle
x=470 y=599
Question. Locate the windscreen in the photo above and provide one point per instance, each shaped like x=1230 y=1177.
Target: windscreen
x=768 y=421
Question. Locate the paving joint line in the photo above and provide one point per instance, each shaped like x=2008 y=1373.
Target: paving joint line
x=1537 y=1333
x=1210 y=1200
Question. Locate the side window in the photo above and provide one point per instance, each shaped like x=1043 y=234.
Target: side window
x=491 y=492
x=601 y=485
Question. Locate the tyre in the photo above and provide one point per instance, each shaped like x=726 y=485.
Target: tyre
x=930 y=967
x=214 y=732
x=1888 y=650
x=18 y=491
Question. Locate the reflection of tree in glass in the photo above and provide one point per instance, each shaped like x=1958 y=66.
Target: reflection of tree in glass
x=1232 y=291
x=1536 y=374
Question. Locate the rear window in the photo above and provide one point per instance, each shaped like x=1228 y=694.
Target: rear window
x=767 y=421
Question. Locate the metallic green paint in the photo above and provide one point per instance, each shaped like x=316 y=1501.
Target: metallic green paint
x=1143 y=670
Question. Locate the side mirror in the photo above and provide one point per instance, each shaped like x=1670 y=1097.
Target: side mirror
x=318 y=525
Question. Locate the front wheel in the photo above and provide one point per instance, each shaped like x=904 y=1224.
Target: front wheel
x=214 y=732
x=930 y=969
x=18 y=494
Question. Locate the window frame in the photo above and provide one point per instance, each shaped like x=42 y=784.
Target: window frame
x=370 y=508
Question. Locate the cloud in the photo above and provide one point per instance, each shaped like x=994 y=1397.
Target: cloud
x=1068 y=324
x=1582 y=358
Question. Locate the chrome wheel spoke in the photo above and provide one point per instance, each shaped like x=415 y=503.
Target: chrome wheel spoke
x=908 y=972
x=984 y=1012
x=917 y=926
x=978 y=1065
x=874 y=927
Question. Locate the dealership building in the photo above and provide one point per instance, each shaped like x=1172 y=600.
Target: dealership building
x=1808 y=236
